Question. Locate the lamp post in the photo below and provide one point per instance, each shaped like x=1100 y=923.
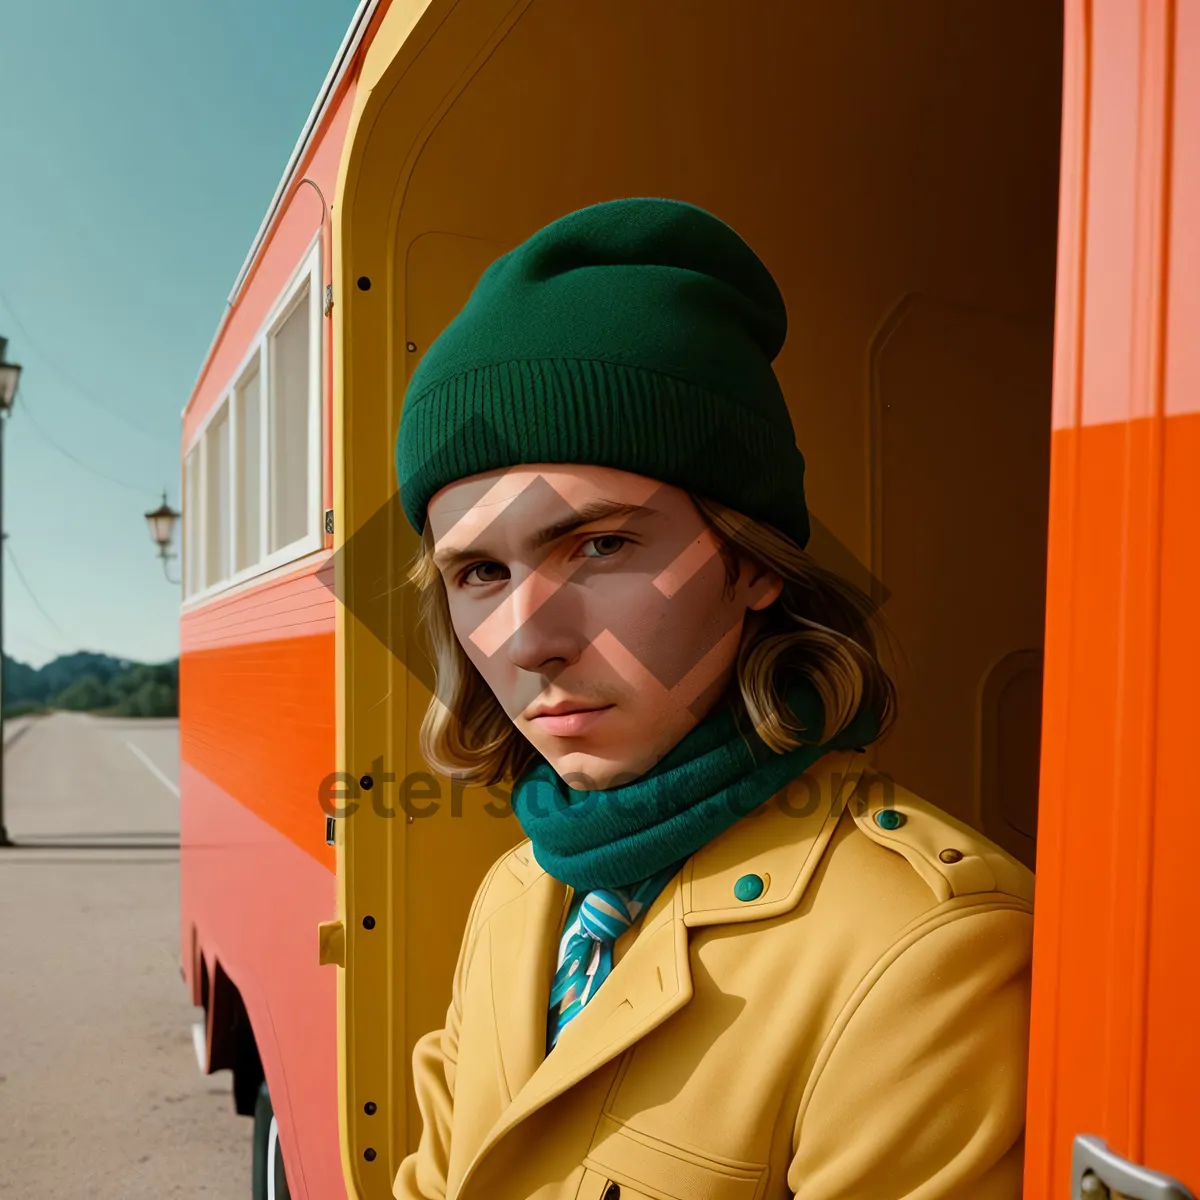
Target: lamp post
x=10 y=377
x=162 y=527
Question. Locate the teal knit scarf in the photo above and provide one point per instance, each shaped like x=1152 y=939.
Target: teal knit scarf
x=711 y=779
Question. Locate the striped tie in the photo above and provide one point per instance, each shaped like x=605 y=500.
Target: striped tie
x=603 y=917
x=604 y=914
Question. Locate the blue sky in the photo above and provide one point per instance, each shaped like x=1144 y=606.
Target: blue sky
x=142 y=143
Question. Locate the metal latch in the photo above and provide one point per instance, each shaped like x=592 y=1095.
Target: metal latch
x=1097 y=1173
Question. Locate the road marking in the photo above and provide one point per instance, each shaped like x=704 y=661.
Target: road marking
x=146 y=759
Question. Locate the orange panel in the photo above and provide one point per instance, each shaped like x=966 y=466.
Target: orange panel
x=290 y=606
x=1183 y=283
x=1081 y=660
x=1172 y=1034
x=1115 y=1052
x=258 y=720
x=255 y=900
x=1111 y=199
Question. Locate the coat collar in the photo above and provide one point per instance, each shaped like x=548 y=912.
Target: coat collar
x=775 y=842
x=782 y=842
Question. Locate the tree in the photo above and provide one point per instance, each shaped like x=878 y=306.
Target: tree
x=87 y=692
x=153 y=698
x=85 y=681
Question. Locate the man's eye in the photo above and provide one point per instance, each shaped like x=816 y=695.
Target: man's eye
x=604 y=545
x=484 y=573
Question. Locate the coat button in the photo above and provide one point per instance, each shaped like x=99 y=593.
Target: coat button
x=749 y=887
x=612 y=1192
x=950 y=856
x=889 y=818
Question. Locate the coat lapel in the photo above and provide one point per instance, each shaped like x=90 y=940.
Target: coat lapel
x=652 y=980
x=523 y=951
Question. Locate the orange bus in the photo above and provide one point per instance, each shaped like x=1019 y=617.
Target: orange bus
x=985 y=220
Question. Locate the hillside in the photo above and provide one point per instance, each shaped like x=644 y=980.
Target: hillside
x=90 y=682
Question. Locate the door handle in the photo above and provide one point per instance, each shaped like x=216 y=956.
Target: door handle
x=1097 y=1173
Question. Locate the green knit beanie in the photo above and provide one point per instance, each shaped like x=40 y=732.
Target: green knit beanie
x=637 y=334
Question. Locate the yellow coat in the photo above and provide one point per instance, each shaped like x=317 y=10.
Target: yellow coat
x=857 y=1032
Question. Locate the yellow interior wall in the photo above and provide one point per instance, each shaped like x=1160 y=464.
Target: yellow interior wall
x=895 y=166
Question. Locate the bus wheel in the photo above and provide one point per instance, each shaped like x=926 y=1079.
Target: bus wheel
x=268 y=1182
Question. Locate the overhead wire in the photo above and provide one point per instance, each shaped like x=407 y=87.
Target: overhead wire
x=32 y=595
x=53 y=443
x=68 y=454
x=86 y=393
x=28 y=641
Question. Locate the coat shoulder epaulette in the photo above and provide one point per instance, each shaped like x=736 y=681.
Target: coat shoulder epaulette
x=952 y=858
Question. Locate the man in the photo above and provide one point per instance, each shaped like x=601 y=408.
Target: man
x=729 y=961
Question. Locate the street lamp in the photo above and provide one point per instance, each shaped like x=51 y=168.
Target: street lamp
x=162 y=528
x=10 y=377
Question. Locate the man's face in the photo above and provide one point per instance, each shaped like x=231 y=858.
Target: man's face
x=596 y=606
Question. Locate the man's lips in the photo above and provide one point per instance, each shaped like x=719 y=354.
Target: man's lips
x=568 y=719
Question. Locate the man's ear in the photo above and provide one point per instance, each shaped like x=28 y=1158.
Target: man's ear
x=759 y=584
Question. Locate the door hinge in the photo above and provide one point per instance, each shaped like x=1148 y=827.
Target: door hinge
x=329 y=520
x=328 y=298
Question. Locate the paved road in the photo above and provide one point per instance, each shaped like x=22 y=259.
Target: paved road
x=100 y=1095
x=14 y=726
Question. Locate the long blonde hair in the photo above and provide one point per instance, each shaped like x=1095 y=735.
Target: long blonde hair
x=821 y=626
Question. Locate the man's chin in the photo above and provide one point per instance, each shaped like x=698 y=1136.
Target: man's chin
x=594 y=770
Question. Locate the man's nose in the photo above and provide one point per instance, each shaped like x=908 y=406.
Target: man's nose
x=544 y=622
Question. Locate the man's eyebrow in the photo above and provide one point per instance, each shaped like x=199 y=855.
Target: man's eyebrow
x=594 y=510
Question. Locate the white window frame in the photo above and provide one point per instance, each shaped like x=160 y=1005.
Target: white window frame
x=222 y=404
x=189 y=545
x=308 y=271
x=258 y=354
